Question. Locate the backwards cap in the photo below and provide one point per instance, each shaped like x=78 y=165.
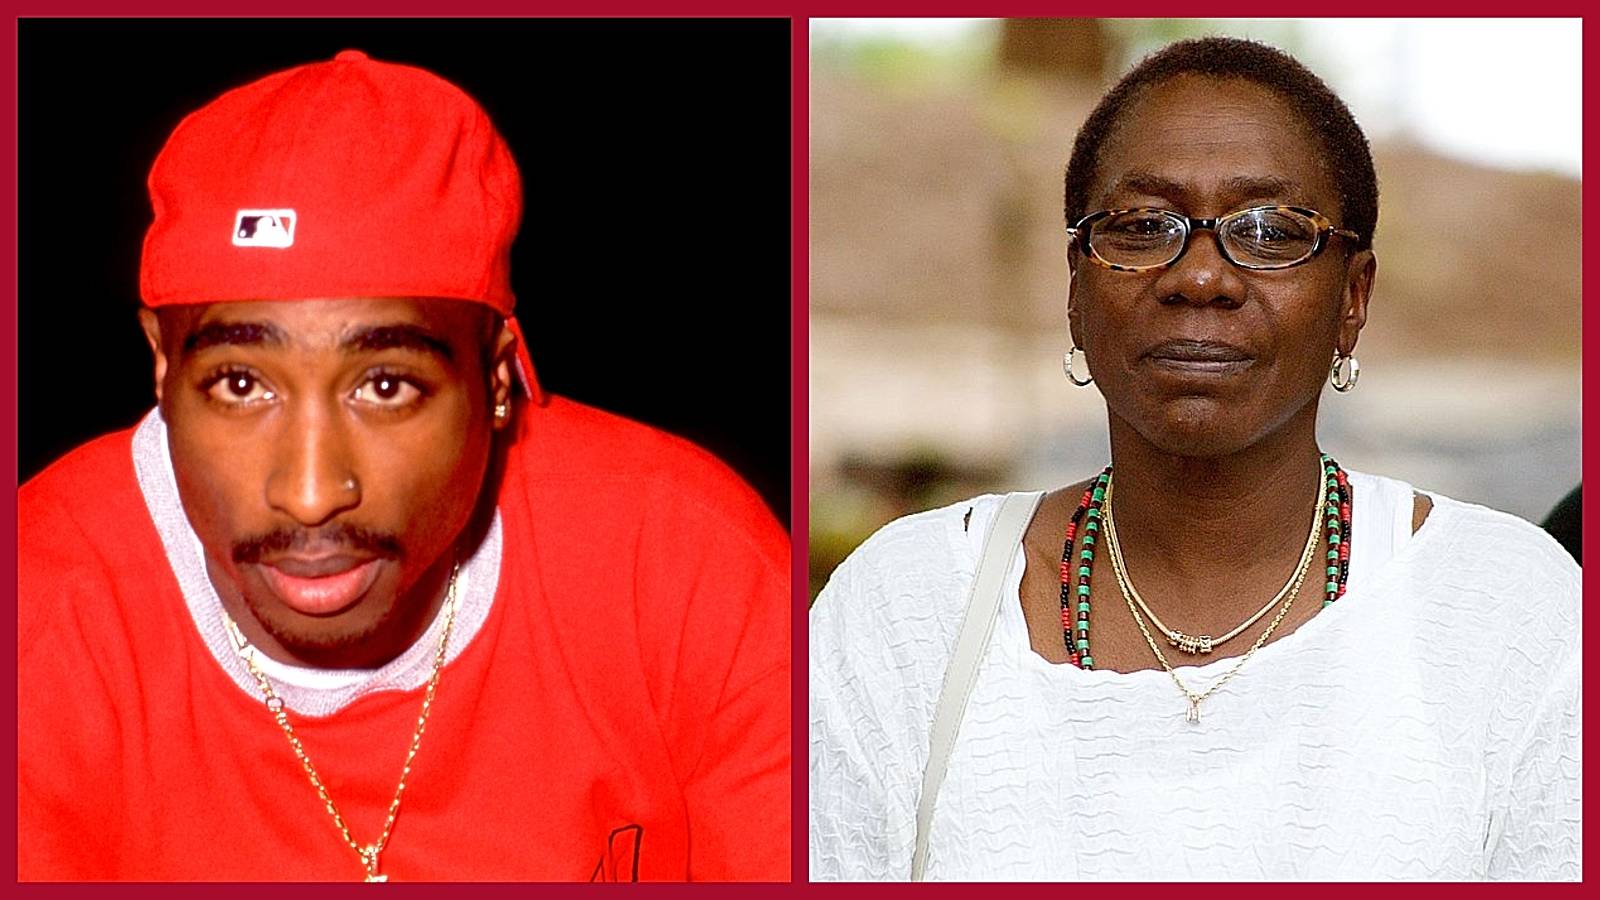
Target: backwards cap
x=349 y=178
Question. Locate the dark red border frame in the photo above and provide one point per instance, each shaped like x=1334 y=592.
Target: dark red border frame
x=799 y=11
x=799 y=454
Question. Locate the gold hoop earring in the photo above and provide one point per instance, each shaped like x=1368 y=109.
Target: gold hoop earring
x=1346 y=370
x=1066 y=364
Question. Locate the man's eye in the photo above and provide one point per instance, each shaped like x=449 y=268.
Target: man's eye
x=239 y=389
x=387 y=390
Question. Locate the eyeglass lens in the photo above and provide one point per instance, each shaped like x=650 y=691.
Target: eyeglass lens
x=1268 y=238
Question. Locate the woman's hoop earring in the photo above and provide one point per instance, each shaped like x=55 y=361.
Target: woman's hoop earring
x=1344 y=373
x=1066 y=363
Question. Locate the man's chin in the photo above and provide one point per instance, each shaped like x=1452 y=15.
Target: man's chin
x=325 y=641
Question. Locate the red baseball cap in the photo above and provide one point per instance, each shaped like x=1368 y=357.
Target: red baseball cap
x=348 y=178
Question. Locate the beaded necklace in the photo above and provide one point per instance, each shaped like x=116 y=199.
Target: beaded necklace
x=1091 y=511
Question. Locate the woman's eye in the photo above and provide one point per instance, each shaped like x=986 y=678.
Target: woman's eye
x=239 y=389
x=1146 y=225
x=387 y=390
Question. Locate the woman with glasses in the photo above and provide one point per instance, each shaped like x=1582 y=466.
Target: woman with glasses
x=1224 y=656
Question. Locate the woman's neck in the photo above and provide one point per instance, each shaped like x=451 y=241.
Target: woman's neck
x=1221 y=519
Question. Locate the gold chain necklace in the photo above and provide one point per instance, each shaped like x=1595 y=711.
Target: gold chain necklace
x=1204 y=643
x=369 y=853
x=1192 y=715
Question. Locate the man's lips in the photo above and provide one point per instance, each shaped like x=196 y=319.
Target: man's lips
x=319 y=586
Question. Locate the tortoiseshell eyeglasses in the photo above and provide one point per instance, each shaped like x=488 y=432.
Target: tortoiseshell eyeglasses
x=1262 y=237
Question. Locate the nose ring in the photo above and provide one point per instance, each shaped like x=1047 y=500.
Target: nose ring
x=349 y=484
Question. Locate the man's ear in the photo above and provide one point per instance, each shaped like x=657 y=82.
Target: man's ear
x=502 y=366
x=152 y=334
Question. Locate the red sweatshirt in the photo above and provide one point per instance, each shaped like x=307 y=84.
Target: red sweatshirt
x=626 y=703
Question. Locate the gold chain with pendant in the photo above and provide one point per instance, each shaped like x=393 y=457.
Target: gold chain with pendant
x=1192 y=715
x=368 y=854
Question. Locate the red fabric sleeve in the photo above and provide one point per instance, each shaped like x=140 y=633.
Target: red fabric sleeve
x=66 y=599
x=713 y=587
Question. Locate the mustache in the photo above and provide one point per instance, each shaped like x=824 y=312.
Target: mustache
x=348 y=538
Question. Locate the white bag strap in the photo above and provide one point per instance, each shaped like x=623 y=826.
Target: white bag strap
x=983 y=607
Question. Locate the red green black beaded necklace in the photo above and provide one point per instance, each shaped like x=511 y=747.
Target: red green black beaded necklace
x=1091 y=508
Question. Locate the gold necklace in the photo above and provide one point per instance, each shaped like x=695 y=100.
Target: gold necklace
x=1204 y=643
x=369 y=853
x=1192 y=715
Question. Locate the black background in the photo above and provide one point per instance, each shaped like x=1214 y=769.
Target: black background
x=651 y=271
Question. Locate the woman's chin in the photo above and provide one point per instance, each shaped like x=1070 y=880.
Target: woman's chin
x=1196 y=427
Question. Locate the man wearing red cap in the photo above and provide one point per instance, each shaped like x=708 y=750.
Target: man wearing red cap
x=357 y=600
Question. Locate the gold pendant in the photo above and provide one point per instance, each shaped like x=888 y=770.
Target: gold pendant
x=1193 y=715
x=1190 y=644
x=369 y=858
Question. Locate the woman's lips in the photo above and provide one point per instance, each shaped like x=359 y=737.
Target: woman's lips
x=1205 y=358
x=315 y=593
x=1199 y=366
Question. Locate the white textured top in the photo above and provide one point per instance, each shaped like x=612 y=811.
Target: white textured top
x=1424 y=726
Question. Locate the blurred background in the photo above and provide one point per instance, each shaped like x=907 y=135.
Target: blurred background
x=938 y=283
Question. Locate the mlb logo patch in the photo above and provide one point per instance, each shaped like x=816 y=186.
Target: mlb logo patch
x=264 y=228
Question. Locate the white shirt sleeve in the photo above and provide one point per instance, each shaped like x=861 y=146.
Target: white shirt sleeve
x=1534 y=755
x=856 y=830
x=881 y=638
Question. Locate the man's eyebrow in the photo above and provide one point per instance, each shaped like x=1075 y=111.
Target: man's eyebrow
x=402 y=337
x=215 y=334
